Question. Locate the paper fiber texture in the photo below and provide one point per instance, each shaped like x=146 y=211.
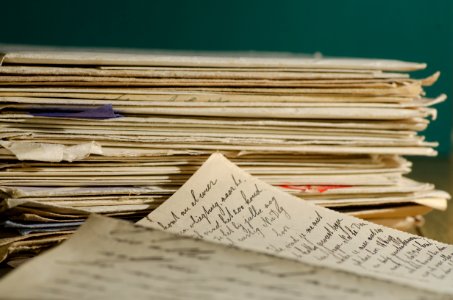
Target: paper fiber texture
x=224 y=204
x=111 y=259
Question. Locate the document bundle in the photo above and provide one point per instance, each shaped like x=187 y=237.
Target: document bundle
x=253 y=241
x=118 y=133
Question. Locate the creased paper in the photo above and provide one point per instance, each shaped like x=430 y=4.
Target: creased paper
x=51 y=152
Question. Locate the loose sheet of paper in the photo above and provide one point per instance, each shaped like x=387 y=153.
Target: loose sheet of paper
x=34 y=55
x=112 y=259
x=223 y=203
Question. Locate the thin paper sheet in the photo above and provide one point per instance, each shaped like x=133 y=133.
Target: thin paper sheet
x=44 y=56
x=111 y=259
x=224 y=204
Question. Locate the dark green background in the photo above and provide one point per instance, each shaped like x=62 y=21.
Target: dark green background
x=409 y=30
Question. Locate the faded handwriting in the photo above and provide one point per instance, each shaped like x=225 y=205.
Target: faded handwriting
x=130 y=262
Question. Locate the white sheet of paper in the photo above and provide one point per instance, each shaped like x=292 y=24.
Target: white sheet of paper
x=51 y=152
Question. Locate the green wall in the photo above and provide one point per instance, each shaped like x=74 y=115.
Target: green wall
x=410 y=30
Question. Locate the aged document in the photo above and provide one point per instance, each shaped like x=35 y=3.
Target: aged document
x=118 y=131
x=224 y=204
x=112 y=259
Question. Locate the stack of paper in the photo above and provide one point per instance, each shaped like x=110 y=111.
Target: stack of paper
x=118 y=133
x=295 y=250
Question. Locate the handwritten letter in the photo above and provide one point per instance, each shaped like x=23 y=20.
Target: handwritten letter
x=112 y=259
x=224 y=204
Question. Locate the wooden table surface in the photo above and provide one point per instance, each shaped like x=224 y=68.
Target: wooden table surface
x=439 y=224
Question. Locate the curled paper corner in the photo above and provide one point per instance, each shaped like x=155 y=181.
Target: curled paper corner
x=439 y=99
x=2 y=58
x=430 y=80
x=51 y=152
x=435 y=203
x=431 y=113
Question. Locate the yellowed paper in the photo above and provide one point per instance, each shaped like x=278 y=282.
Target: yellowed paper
x=111 y=259
x=146 y=94
x=36 y=56
x=177 y=121
x=209 y=73
x=224 y=204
